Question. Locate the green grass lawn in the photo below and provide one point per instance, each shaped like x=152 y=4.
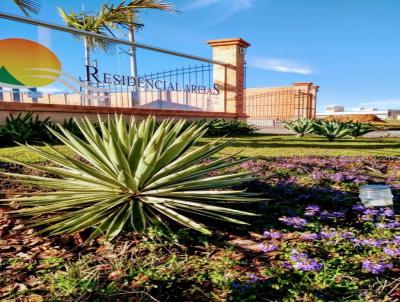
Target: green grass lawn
x=289 y=145
x=270 y=146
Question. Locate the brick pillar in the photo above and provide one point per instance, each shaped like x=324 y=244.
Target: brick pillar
x=307 y=107
x=231 y=78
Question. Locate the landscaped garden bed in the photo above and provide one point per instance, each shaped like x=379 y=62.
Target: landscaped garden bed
x=313 y=241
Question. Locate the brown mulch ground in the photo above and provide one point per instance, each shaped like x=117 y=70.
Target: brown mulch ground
x=24 y=254
x=21 y=248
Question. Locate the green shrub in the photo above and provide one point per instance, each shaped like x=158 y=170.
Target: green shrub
x=72 y=127
x=360 y=129
x=332 y=129
x=133 y=175
x=301 y=126
x=219 y=127
x=30 y=128
x=27 y=128
x=222 y=127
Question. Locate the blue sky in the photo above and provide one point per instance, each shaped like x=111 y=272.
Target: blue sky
x=351 y=48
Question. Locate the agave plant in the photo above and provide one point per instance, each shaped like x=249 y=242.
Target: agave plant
x=332 y=129
x=129 y=174
x=360 y=129
x=301 y=126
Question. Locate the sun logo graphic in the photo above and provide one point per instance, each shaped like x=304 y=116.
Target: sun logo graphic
x=27 y=64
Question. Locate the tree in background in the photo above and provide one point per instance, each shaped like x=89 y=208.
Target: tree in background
x=131 y=12
x=99 y=23
x=109 y=18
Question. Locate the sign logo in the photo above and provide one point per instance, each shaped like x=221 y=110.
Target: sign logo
x=25 y=63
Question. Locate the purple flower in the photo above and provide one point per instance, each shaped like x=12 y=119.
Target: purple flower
x=332 y=215
x=318 y=175
x=272 y=235
x=308 y=265
x=296 y=255
x=302 y=262
x=388 y=225
x=371 y=242
x=358 y=207
x=338 y=177
x=313 y=207
x=327 y=235
x=309 y=236
x=287 y=265
x=296 y=222
x=371 y=211
x=388 y=212
x=347 y=235
x=375 y=267
x=392 y=252
x=311 y=210
x=252 y=278
x=367 y=242
x=268 y=248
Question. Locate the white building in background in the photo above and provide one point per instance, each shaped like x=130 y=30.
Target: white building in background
x=387 y=114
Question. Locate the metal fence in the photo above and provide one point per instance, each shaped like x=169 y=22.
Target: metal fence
x=164 y=79
x=272 y=108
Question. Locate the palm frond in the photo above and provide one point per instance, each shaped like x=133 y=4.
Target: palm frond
x=28 y=6
x=99 y=24
x=148 y=4
x=129 y=11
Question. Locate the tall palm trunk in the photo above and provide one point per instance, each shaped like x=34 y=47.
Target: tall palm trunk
x=132 y=54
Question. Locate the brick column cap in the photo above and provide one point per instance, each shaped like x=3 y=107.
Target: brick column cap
x=229 y=42
x=303 y=84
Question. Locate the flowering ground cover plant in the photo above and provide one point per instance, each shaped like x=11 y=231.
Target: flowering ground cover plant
x=313 y=241
x=325 y=241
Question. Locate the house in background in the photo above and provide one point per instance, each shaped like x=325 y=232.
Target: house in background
x=337 y=110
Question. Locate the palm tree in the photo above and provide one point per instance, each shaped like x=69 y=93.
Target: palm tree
x=90 y=23
x=28 y=6
x=131 y=11
x=99 y=23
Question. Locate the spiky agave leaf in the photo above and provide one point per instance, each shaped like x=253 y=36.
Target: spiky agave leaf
x=360 y=129
x=301 y=126
x=129 y=173
x=332 y=129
